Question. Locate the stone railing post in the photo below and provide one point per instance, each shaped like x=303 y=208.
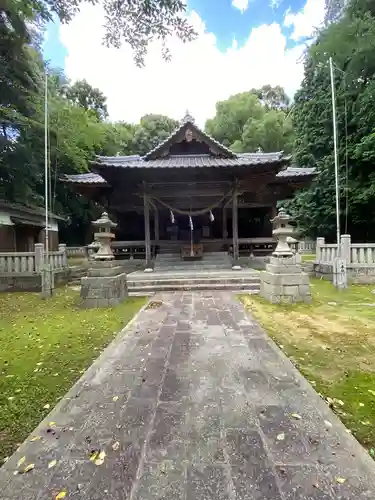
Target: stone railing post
x=64 y=259
x=345 y=247
x=39 y=257
x=319 y=243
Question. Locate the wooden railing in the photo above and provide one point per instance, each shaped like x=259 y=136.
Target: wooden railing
x=32 y=262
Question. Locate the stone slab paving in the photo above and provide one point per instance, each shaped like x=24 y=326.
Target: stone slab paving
x=197 y=402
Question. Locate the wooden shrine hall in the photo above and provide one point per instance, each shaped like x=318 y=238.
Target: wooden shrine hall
x=191 y=195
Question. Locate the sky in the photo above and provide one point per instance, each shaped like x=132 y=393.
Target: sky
x=241 y=44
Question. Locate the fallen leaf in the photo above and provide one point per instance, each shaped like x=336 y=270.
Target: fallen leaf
x=21 y=461
x=280 y=437
x=51 y=424
x=61 y=495
x=327 y=423
x=371 y=392
x=35 y=438
x=47 y=406
x=296 y=416
x=28 y=468
x=52 y=464
x=5 y=459
x=115 y=398
x=94 y=456
x=115 y=446
x=100 y=459
x=40 y=363
x=340 y=480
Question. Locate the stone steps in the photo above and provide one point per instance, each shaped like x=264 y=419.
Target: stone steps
x=204 y=280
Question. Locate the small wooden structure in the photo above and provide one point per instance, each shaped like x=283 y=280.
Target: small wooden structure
x=191 y=195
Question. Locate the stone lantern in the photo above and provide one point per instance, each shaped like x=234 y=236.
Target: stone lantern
x=283 y=231
x=283 y=280
x=103 y=235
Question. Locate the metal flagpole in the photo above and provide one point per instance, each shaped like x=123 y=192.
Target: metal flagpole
x=47 y=273
x=339 y=265
x=46 y=183
x=336 y=159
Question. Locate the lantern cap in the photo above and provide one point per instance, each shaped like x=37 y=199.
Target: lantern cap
x=104 y=221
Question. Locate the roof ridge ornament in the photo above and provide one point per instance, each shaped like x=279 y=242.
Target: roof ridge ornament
x=187 y=118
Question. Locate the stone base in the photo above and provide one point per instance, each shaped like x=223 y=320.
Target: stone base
x=284 y=282
x=104 y=287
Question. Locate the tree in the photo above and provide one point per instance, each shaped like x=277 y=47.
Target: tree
x=89 y=98
x=151 y=131
x=273 y=97
x=251 y=120
x=135 y=22
x=351 y=43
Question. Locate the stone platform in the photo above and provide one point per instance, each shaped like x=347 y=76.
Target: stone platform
x=192 y=401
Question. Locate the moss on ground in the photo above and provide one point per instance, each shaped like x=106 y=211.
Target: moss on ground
x=46 y=345
x=332 y=342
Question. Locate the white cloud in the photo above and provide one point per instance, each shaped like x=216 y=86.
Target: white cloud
x=241 y=5
x=306 y=21
x=198 y=76
x=275 y=4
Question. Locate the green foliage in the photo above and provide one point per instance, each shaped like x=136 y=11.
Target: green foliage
x=85 y=96
x=152 y=130
x=251 y=120
x=351 y=43
x=46 y=346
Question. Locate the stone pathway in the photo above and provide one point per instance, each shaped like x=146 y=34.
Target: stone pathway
x=192 y=401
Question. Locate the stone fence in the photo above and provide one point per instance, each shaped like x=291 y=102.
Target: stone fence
x=76 y=251
x=306 y=246
x=22 y=270
x=359 y=258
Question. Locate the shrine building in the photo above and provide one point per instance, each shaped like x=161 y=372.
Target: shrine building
x=191 y=195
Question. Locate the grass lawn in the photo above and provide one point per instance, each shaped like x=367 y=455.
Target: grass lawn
x=332 y=342
x=308 y=257
x=45 y=348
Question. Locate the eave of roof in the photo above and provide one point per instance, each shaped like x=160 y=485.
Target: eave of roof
x=190 y=161
x=96 y=179
x=29 y=210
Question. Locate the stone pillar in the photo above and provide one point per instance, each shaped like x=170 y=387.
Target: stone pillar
x=345 y=243
x=62 y=249
x=235 y=265
x=146 y=205
x=319 y=243
x=39 y=257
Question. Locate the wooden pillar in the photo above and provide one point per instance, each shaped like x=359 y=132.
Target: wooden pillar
x=146 y=209
x=225 y=226
x=235 y=265
x=156 y=226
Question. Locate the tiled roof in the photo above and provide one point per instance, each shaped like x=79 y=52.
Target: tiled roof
x=186 y=161
x=188 y=122
x=296 y=172
x=92 y=178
